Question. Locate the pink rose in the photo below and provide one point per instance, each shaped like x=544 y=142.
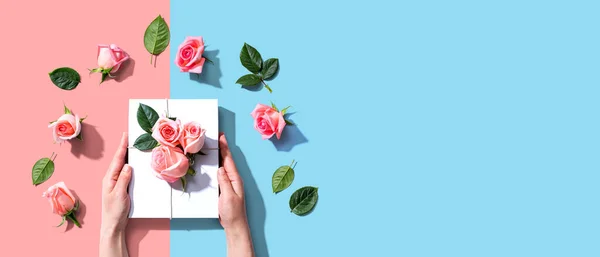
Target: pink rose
x=169 y=163
x=192 y=139
x=167 y=131
x=189 y=56
x=66 y=127
x=110 y=57
x=268 y=121
x=60 y=198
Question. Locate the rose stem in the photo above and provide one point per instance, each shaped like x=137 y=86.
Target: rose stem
x=267 y=86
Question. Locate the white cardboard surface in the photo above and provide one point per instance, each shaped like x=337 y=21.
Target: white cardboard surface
x=152 y=197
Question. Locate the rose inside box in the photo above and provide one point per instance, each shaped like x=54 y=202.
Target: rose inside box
x=173 y=150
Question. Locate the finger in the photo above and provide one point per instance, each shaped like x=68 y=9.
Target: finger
x=229 y=165
x=124 y=178
x=224 y=182
x=116 y=165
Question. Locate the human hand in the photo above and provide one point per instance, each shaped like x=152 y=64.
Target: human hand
x=232 y=207
x=115 y=199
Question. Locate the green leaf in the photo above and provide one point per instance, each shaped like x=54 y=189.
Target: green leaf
x=145 y=142
x=248 y=80
x=65 y=78
x=303 y=200
x=270 y=67
x=251 y=58
x=146 y=117
x=157 y=36
x=42 y=170
x=282 y=178
x=284 y=110
x=173 y=118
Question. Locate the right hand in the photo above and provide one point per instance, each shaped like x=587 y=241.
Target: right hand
x=232 y=207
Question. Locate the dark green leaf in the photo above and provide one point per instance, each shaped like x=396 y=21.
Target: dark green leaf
x=270 y=67
x=173 y=118
x=282 y=178
x=157 y=36
x=248 y=80
x=145 y=142
x=289 y=122
x=65 y=78
x=42 y=170
x=303 y=200
x=146 y=117
x=251 y=58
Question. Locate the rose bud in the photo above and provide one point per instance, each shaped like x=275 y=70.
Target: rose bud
x=193 y=137
x=68 y=126
x=189 y=55
x=63 y=202
x=268 y=121
x=169 y=163
x=110 y=58
x=167 y=132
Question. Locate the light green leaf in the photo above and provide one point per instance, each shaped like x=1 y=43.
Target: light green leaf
x=248 y=80
x=251 y=58
x=42 y=170
x=303 y=200
x=65 y=78
x=157 y=36
x=282 y=178
x=146 y=117
x=270 y=68
x=145 y=142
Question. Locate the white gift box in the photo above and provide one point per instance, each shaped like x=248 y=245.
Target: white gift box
x=152 y=197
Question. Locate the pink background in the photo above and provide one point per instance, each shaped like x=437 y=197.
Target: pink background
x=37 y=38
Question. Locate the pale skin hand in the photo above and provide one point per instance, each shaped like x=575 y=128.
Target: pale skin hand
x=232 y=207
x=115 y=204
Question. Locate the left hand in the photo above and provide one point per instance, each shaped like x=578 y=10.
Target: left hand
x=115 y=199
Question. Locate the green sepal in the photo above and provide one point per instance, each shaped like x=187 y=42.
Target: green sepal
x=285 y=110
x=289 y=122
x=64 y=218
x=208 y=60
x=67 y=111
x=191 y=172
x=183 y=183
x=274 y=107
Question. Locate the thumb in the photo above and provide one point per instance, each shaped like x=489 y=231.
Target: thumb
x=224 y=182
x=124 y=178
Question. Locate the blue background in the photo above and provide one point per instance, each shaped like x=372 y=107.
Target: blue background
x=432 y=128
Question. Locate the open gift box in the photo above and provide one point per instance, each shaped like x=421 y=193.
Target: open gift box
x=152 y=197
